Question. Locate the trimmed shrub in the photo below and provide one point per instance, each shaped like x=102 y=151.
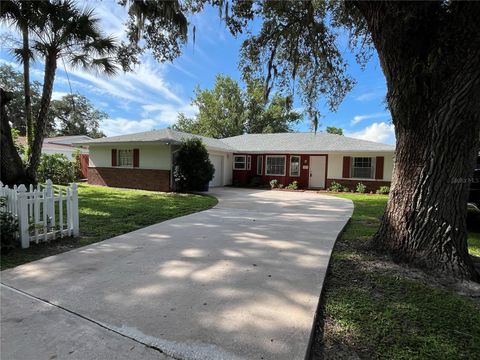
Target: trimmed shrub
x=383 y=190
x=293 y=186
x=274 y=183
x=56 y=167
x=8 y=228
x=361 y=188
x=193 y=169
x=336 y=187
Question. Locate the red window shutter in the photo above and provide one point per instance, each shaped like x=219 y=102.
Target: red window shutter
x=379 y=167
x=114 y=157
x=136 y=157
x=346 y=167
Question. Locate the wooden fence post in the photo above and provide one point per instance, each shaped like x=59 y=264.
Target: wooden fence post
x=23 y=216
x=75 y=215
x=50 y=198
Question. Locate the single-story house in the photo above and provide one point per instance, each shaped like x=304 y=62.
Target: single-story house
x=61 y=145
x=146 y=160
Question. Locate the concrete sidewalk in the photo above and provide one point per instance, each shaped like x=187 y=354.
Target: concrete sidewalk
x=239 y=281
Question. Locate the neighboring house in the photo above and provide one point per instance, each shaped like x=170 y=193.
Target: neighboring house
x=61 y=145
x=146 y=160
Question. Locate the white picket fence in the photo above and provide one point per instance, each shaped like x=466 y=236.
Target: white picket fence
x=43 y=213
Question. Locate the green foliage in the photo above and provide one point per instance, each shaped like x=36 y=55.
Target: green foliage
x=8 y=228
x=193 y=169
x=74 y=114
x=293 y=185
x=12 y=81
x=21 y=149
x=160 y=26
x=274 y=183
x=220 y=110
x=227 y=110
x=361 y=188
x=335 y=187
x=77 y=168
x=56 y=167
x=384 y=190
x=334 y=130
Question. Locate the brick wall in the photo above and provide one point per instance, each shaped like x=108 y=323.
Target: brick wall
x=352 y=184
x=145 y=179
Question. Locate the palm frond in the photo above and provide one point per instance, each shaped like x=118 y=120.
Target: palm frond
x=18 y=54
x=106 y=65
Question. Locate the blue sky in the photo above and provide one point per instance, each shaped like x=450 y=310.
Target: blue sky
x=153 y=95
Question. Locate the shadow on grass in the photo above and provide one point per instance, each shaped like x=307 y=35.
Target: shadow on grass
x=109 y=212
x=372 y=309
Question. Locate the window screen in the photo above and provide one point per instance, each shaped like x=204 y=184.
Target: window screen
x=275 y=165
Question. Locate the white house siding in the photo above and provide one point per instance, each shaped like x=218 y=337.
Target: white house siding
x=151 y=156
x=69 y=154
x=335 y=163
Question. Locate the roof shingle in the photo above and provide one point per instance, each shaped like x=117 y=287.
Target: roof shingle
x=282 y=142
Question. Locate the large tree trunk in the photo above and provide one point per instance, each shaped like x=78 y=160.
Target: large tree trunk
x=430 y=55
x=41 y=119
x=425 y=218
x=12 y=171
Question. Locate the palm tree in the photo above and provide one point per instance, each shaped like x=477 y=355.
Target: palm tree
x=63 y=32
x=21 y=14
x=52 y=31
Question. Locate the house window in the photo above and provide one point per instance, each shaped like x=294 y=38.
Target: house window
x=362 y=168
x=239 y=162
x=249 y=162
x=275 y=165
x=294 y=165
x=259 y=165
x=125 y=158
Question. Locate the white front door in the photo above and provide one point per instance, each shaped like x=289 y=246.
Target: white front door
x=217 y=162
x=317 y=171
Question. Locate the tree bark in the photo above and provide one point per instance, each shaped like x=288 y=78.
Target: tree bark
x=430 y=56
x=425 y=219
x=41 y=119
x=12 y=171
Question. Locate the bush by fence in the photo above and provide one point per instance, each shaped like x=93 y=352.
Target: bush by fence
x=58 y=168
x=42 y=213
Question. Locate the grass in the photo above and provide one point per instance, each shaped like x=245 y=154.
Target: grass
x=375 y=309
x=108 y=212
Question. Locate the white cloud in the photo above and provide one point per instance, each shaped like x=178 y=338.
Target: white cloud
x=369 y=96
x=167 y=114
x=120 y=126
x=57 y=95
x=379 y=132
x=154 y=116
x=359 y=118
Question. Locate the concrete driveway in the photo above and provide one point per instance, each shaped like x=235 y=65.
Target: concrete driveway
x=239 y=281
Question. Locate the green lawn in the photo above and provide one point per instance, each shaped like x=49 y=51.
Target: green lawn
x=108 y=212
x=375 y=309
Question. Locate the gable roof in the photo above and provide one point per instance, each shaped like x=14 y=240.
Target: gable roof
x=59 y=143
x=281 y=142
x=67 y=140
x=160 y=135
x=299 y=142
